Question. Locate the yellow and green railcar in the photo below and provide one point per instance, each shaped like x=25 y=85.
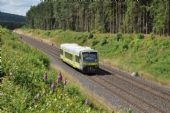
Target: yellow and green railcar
x=82 y=58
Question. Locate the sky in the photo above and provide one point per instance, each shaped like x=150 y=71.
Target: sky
x=19 y=7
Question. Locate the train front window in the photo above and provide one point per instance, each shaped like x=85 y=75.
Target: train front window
x=89 y=56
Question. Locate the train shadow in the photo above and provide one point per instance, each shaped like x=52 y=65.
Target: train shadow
x=100 y=72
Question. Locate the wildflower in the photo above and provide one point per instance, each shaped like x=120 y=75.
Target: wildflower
x=59 y=79
x=36 y=97
x=65 y=82
x=1 y=94
x=45 y=77
x=10 y=73
x=86 y=101
x=52 y=87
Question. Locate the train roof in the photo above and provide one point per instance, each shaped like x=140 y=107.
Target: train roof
x=75 y=48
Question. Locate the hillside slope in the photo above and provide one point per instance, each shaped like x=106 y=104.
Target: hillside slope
x=11 y=21
x=24 y=87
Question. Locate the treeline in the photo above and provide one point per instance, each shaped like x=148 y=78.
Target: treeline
x=126 y=16
x=11 y=25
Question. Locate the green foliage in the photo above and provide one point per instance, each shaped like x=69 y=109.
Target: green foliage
x=83 y=40
x=23 y=89
x=72 y=90
x=104 y=16
x=140 y=36
x=119 y=36
x=47 y=33
x=103 y=42
x=90 y=35
x=45 y=61
x=15 y=97
x=152 y=36
x=94 y=43
x=159 y=13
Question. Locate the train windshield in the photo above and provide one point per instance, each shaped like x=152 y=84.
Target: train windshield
x=89 y=56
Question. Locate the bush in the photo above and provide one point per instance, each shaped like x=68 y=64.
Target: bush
x=125 y=47
x=103 y=42
x=119 y=36
x=90 y=35
x=140 y=36
x=72 y=90
x=45 y=61
x=77 y=37
x=47 y=33
x=152 y=36
x=94 y=42
x=84 y=40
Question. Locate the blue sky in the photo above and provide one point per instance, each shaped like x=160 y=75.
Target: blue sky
x=19 y=7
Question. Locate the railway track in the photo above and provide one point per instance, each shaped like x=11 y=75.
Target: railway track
x=141 y=95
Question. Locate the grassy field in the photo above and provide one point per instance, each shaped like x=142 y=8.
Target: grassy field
x=149 y=55
x=22 y=88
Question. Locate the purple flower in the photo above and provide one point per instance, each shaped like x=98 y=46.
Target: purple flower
x=45 y=77
x=86 y=101
x=60 y=78
x=52 y=87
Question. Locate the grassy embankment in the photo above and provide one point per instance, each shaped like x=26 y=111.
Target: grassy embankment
x=22 y=88
x=147 y=54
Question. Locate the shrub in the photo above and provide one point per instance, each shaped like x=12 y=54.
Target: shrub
x=47 y=33
x=84 y=40
x=72 y=90
x=119 y=36
x=125 y=47
x=152 y=36
x=94 y=42
x=90 y=35
x=140 y=36
x=45 y=61
x=16 y=98
x=77 y=37
x=103 y=42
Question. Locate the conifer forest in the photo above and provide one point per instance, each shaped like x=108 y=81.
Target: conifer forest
x=112 y=16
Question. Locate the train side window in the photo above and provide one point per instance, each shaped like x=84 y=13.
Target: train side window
x=77 y=59
x=68 y=55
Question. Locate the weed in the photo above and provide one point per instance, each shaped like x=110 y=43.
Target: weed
x=94 y=42
x=119 y=36
x=152 y=36
x=103 y=42
x=47 y=33
x=90 y=36
x=140 y=36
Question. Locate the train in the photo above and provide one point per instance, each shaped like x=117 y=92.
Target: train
x=82 y=58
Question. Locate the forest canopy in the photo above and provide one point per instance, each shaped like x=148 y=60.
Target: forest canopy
x=126 y=16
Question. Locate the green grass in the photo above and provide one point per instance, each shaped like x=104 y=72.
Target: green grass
x=147 y=54
x=22 y=89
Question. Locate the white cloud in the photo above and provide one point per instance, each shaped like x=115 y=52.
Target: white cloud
x=17 y=6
